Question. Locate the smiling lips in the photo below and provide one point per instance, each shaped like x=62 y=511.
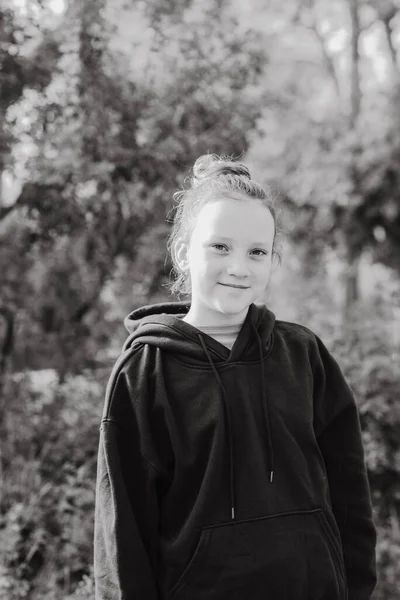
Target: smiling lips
x=232 y=285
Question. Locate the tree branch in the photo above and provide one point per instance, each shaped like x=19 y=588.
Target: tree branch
x=5 y=210
x=330 y=66
x=389 y=38
x=386 y=11
x=312 y=25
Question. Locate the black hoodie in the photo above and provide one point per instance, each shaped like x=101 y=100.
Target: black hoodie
x=230 y=474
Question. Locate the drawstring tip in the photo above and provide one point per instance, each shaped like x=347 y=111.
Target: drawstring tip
x=271 y=476
x=233 y=512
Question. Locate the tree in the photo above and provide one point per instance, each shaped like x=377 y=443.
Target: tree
x=112 y=143
x=336 y=135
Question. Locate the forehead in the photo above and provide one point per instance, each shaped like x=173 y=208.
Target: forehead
x=242 y=220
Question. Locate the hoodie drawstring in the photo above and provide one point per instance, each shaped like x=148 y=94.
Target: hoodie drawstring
x=229 y=420
x=270 y=456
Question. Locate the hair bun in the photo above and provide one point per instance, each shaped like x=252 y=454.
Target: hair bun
x=210 y=166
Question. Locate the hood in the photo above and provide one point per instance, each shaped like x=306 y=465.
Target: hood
x=161 y=325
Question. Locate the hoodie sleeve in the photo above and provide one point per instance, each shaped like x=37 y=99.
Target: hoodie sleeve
x=127 y=507
x=338 y=432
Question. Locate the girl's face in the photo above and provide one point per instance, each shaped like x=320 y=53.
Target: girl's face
x=229 y=258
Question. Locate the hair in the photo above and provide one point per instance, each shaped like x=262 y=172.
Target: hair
x=214 y=176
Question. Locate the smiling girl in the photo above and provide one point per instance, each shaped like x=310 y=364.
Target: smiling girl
x=231 y=464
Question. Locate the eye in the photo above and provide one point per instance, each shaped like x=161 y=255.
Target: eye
x=259 y=252
x=220 y=247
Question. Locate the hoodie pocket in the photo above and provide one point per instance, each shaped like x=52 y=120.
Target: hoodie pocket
x=194 y=563
x=287 y=556
x=334 y=543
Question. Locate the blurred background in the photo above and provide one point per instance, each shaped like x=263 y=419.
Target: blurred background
x=104 y=106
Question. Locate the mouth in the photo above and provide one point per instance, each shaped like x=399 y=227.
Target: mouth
x=232 y=285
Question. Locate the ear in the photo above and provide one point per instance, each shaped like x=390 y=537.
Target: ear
x=181 y=256
x=276 y=262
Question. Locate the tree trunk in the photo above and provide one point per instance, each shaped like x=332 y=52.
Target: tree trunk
x=355 y=64
x=6 y=348
x=7 y=341
x=352 y=281
x=353 y=251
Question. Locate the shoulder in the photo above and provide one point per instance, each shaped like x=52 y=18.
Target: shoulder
x=135 y=360
x=295 y=333
x=129 y=374
x=299 y=340
x=128 y=358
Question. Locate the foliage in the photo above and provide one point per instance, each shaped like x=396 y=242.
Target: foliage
x=49 y=450
x=373 y=368
x=340 y=177
x=110 y=146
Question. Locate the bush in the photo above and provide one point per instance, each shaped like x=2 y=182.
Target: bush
x=49 y=449
x=364 y=348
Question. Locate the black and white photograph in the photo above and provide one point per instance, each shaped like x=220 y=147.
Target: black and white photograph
x=199 y=299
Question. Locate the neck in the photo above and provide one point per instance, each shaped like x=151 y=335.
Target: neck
x=214 y=320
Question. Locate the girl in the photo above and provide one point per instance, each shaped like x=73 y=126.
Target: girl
x=230 y=463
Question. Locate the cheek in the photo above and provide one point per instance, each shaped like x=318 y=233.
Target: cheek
x=202 y=262
x=199 y=267
x=263 y=272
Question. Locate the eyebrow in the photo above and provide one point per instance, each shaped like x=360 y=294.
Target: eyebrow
x=221 y=238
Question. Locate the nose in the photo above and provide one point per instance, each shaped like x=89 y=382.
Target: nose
x=238 y=267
